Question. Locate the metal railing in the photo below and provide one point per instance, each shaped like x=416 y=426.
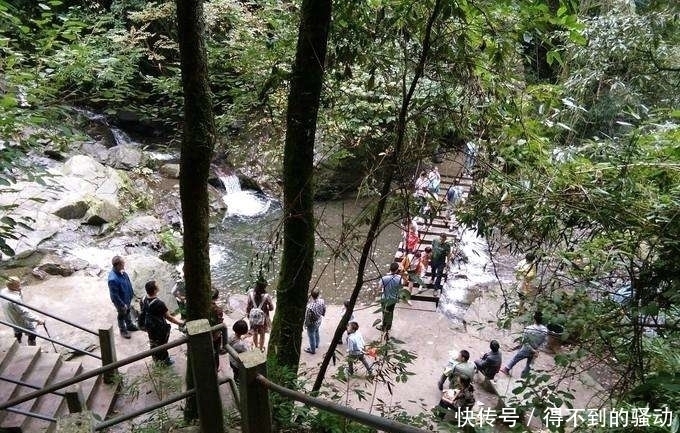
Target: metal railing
x=45 y=313
x=105 y=341
x=51 y=340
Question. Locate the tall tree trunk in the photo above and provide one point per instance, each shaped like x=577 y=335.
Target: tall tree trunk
x=198 y=140
x=298 y=243
x=392 y=165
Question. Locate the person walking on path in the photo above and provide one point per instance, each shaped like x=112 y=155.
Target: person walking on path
x=533 y=337
x=156 y=314
x=17 y=314
x=457 y=367
x=259 y=306
x=421 y=185
x=441 y=250
x=121 y=293
x=355 y=348
x=390 y=285
x=434 y=179
x=454 y=197
x=490 y=363
x=314 y=313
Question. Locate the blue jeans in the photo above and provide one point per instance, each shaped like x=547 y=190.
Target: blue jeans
x=524 y=353
x=437 y=273
x=313 y=334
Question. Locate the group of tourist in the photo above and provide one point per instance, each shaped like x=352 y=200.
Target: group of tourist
x=154 y=315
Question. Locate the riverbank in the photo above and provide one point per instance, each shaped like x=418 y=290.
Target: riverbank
x=430 y=335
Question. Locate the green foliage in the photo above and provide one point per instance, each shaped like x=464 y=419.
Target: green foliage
x=171 y=243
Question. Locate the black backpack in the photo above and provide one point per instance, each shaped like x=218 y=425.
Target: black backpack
x=148 y=322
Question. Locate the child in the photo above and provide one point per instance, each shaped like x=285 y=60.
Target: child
x=240 y=343
x=425 y=258
x=355 y=348
x=351 y=319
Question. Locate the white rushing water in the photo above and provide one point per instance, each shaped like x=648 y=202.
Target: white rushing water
x=477 y=271
x=241 y=203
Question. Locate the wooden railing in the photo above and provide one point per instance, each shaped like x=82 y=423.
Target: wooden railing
x=252 y=395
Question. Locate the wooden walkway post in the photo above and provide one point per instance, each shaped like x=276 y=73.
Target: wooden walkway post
x=108 y=350
x=74 y=399
x=205 y=376
x=256 y=409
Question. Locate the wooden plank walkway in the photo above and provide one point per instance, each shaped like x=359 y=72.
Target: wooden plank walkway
x=429 y=230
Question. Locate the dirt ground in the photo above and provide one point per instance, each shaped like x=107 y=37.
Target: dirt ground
x=431 y=336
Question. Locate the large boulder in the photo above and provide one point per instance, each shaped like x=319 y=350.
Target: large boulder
x=102 y=212
x=142 y=268
x=69 y=210
x=125 y=157
x=96 y=150
x=142 y=224
x=169 y=171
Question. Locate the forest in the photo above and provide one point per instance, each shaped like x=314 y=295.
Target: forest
x=573 y=107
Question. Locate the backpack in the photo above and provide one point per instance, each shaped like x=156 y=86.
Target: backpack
x=312 y=316
x=256 y=316
x=148 y=322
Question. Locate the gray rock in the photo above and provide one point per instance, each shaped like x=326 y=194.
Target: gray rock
x=39 y=273
x=57 y=269
x=143 y=268
x=74 y=210
x=101 y=212
x=142 y=224
x=125 y=157
x=95 y=150
x=169 y=171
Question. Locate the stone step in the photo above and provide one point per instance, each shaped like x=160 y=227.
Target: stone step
x=38 y=375
x=102 y=398
x=50 y=404
x=7 y=349
x=17 y=367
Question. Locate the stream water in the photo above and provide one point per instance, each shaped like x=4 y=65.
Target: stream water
x=244 y=239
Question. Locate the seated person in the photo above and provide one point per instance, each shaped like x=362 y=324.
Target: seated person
x=460 y=366
x=240 y=341
x=490 y=363
x=458 y=399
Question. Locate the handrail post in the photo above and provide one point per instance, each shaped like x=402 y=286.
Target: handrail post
x=256 y=409
x=204 y=371
x=74 y=399
x=108 y=349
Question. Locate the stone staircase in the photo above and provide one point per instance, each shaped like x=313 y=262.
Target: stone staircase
x=30 y=365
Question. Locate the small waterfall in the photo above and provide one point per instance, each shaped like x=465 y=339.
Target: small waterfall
x=231 y=183
x=121 y=138
x=241 y=203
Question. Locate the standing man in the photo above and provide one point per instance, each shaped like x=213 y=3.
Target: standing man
x=390 y=285
x=532 y=338
x=441 y=250
x=17 y=314
x=316 y=310
x=120 y=290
